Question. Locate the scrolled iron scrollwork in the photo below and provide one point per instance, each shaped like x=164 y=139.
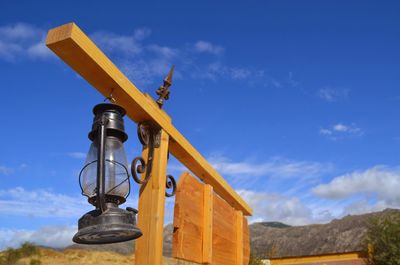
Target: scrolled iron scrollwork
x=139 y=169
x=170 y=184
x=143 y=132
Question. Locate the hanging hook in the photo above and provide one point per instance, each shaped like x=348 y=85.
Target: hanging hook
x=110 y=97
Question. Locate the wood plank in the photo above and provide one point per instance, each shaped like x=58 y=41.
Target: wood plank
x=239 y=238
x=82 y=55
x=228 y=234
x=224 y=233
x=207 y=225
x=188 y=219
x=246 y=242
x=151 y=208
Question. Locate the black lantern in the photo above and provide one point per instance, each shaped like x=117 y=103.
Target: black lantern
x=105 y=181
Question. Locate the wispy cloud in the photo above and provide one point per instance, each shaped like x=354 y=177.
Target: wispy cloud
x=128 y=45
x=50 y=236
x=20 y=41
x=146 y=63
x=207 y=47
x=77 y=155
x=273 y=167
x=340 y=130
x=6 y=170
x=332 y=94
x=41 y=203
x=217 y=70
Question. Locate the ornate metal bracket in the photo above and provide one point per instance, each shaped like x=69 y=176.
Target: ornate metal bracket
x=149 y=137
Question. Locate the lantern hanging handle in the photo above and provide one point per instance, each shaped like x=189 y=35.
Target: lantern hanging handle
x=101 y=167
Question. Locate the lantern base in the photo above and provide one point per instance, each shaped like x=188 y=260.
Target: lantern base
x=112 y=226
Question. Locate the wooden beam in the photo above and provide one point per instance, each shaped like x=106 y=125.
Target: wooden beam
x=82 y=55
x=149 y=247
x=207 y=223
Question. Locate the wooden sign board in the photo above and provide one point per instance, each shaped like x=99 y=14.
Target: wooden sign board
x=207 y=230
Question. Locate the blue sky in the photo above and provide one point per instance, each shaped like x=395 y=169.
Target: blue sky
x=296 y=104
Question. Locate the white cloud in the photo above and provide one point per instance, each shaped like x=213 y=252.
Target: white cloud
x=6 y=170
x=141 y=33
x=22 y=40
x=110 y=42
x=217 y=70
x=41 y=203
x=325 y=131
x=39 y=50
x=276 y=207
x=380 y=181
x=340 y=130
x=332 y=95
x=163 y=51
x=147 y=72
x=146 y=64
x=239 y=73
x=19 y=31
x=50 y=236
x=273 y=167
x=207 y=47
x=78 y=155
x=362 y=206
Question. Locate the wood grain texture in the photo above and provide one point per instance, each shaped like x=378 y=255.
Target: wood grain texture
x=188 y=220
x=239 y=237
x=82 y=55
x=207 y=223
x=246 y=242
x=151 y=208
x=207 y=229
x=224 y=233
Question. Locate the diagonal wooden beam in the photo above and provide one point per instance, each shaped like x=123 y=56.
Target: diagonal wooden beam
x=81 y=54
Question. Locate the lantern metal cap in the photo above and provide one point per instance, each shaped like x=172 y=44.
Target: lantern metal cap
x=104 y=107
x=115 y=124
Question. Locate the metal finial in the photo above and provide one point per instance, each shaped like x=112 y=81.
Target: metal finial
x=163 y=91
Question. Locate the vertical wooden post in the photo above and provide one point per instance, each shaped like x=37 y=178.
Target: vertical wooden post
x=239 y=238
x=149 y=247
x=207 y=223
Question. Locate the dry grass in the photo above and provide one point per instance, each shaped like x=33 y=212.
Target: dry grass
x=78 y=256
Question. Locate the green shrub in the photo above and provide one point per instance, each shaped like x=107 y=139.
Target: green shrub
x=254 y=260
x=383 y=240
x=28 y=249
x=11 y=255
x=35 y=262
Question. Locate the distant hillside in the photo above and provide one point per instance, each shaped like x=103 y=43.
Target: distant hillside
x=341 y=235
